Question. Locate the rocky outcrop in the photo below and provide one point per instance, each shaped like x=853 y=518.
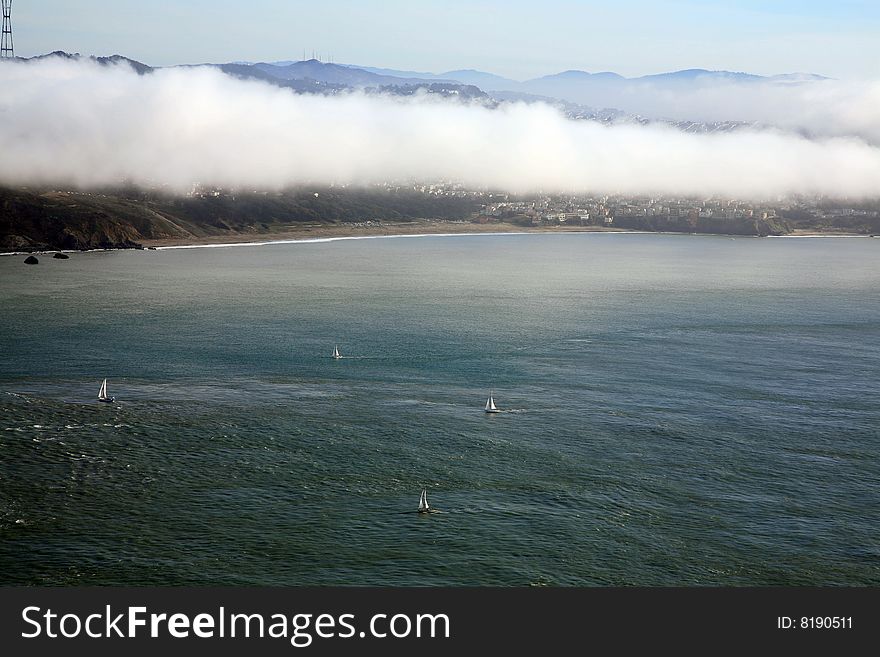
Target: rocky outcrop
x=31 y=260
x=61 y=256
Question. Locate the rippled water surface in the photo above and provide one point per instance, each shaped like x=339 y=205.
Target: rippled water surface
x=676 y=410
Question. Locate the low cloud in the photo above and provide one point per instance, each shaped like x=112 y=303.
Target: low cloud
x=77 y=123
x=824 y=108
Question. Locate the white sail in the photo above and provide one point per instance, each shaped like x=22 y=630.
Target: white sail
x=336 y=352
x=102 y=393
x=490 y=404
x=423 y=500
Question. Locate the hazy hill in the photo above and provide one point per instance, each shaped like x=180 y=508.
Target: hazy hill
x=337 y=74
x=104 y=61
x=486 y=81
x=481 y=79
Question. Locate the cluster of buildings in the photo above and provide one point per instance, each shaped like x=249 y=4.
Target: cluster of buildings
x=602 y=210
x=597 y=210
x=448 y=189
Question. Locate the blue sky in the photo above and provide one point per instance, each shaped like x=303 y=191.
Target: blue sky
x=512 y=38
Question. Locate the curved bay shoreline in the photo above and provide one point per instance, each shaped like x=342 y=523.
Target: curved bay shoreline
x=338 y=231
x=332 y=232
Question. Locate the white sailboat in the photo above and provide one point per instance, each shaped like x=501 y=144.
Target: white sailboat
x=490 y=404
x=423 y=502
x=336 y=353
x=102 y=394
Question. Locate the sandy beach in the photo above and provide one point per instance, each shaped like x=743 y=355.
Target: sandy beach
x=311 y=232
x=323 y=231
x=412 y=228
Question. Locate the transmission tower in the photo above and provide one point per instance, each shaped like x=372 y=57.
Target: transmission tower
x=6 y=49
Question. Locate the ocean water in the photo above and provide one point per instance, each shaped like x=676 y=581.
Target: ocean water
x=677 y=410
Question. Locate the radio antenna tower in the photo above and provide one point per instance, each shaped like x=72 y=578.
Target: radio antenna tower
x=6 y=49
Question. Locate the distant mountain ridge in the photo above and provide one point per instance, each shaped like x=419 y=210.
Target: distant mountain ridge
x=357 y=75
x=309 y=76
x=493 y=82
x=605 y=96
x=570 y=85
x=608 y=89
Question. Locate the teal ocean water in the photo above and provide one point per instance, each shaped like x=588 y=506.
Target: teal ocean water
x=677 y=410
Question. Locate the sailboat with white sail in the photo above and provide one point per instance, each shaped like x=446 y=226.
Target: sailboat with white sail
x=102 y=394
x=423 y=502
x=336 y=353
x=490 y=404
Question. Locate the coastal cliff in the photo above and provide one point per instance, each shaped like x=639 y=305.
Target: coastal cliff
x=40 y=220
x=33 y=221
x=711 y=225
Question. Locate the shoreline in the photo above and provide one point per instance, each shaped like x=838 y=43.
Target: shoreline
x=317 y=233
x=325 y=232
x=335 y=232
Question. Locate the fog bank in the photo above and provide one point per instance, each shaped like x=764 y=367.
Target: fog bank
x=81 y=124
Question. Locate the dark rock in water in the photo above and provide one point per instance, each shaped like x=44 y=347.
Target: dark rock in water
x=31 y=260
x=61 y=256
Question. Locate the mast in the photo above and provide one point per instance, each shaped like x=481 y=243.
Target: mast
x=6 y=48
